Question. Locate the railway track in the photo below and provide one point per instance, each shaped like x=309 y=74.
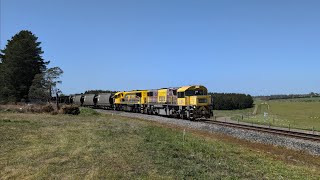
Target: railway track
x=294 y=134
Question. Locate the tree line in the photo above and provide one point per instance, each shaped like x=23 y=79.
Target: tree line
x=231 y=101
x=24 y=75
x=99 y=91
x=289 y=96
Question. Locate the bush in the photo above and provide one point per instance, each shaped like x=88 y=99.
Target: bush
x=70 y=109
x=54 y=113
x=47 y=108
x=33 y=108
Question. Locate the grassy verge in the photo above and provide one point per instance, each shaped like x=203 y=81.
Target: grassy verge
x=88 y=112
x=107 y=147
x=302 y=114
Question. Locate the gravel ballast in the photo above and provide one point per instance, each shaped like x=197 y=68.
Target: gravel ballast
x=253 y=136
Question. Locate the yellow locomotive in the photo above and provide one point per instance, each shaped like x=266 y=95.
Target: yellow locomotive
x=194 y=101
x=130 y=101
x=187 y=102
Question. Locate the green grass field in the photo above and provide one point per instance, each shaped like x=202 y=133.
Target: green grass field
x=301 y=113
x=95 y=146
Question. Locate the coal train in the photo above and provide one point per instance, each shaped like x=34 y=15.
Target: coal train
x=186 y=102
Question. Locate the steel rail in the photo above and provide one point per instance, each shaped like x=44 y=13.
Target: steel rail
x=295 y=134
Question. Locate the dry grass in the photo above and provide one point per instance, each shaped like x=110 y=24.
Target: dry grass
x=28 y=108
x=40 y=108
x=93 y=146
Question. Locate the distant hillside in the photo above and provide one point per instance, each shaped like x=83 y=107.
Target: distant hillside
x=288 y=96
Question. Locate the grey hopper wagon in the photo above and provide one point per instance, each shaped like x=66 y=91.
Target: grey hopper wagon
x=78 y=99
x=89 y=100
x=65 y=99
x=104 y=100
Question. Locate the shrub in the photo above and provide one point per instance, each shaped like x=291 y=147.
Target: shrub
x=33 y=109
x=70 y=109
x=54 y=112
x=47 y=108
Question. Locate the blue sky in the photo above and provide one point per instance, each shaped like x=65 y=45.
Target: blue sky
x=256 y=47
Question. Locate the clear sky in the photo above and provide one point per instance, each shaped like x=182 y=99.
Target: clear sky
x=258 y=47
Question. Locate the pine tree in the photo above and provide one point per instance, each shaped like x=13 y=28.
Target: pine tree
x=38 y=91
x=21 y=61
x=1 y=80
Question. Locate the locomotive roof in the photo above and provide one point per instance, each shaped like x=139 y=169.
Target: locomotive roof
x=184 y=88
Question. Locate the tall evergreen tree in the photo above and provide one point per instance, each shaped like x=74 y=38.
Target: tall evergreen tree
x=21 y=61
x=1 y=79
x=38 y=91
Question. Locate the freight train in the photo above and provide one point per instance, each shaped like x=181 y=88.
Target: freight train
x=186 y=102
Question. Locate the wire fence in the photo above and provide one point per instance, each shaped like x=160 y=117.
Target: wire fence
x=271 y=120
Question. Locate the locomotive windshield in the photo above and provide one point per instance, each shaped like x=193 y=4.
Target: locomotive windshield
x=195 y=92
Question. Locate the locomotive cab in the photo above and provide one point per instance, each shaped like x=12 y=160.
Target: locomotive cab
x=118 y=97
x=195 y=99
